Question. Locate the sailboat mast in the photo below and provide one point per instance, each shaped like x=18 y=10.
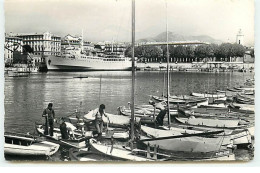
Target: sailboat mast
x=163 y=84
x=168 y=72
x=133 y=75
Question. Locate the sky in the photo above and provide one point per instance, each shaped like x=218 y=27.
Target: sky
x=110 y=20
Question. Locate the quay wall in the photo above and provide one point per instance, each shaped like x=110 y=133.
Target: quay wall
x=158 y=66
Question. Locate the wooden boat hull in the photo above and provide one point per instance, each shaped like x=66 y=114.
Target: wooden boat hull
x=208 y=95
x=79 y=142
x=117 y=152
x=143 y=113
x=247 y=108
x=84 y=155
x=31 y=147
x=115 y=120
x=251 y=130
x=186 y=144
x=179 y=101
x=239 y=137
x=225 y=123
x=191 y=150
x=221 y=156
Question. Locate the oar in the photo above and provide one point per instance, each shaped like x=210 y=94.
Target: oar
x=108 y=134
x=183 y=136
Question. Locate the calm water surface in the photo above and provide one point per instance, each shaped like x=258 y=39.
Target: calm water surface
x=25 y=98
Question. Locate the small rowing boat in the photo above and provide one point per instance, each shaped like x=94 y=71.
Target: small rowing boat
x=247 y=108
x=143 y=112
x=241 y=137
x=181 y=101
x=84 y=155
x=114 y=120
x=28 y=146
x=209 y=95
x=210 y=122
x=124 y=153
x=77 y=142
x=189 y=146
x=199 y=137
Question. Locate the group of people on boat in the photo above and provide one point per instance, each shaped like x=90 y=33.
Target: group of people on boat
x=67 y=128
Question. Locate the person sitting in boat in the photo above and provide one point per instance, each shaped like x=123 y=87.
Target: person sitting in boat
x=66 y=129
x=49 y=115
x=99 y=112
x=161 y=115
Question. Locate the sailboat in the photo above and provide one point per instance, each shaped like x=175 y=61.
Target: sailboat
x=179 y=147
x=121 y=152
x=191 y=146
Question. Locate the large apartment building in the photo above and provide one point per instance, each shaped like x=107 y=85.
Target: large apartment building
x=42 y=43
x=12 y=44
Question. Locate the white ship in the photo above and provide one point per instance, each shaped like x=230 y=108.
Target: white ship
x=76 y=59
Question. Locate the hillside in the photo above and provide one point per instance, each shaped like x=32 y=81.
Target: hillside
x=177 y=37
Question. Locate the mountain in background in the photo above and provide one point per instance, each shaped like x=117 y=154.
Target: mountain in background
x=177 y=37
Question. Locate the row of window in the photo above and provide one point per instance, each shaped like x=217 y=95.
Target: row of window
x=43 y=43
x=114 y=59
x=41 y=47
x=40 y=38
x=14 y=40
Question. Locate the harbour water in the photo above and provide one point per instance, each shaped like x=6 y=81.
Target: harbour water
x=26 y=97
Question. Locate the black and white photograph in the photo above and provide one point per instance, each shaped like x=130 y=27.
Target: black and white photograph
x=119 y=81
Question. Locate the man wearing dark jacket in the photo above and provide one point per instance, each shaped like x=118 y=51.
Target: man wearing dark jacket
x=49 y=115
x=161 y=115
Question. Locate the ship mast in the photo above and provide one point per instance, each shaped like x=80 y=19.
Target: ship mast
x=112 y=46
x=168 y=72
x=133 y=76
x=82 y=41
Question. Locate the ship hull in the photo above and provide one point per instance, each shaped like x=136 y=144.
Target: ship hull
x=68 y=64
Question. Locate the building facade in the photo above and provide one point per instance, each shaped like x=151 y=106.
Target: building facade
x=42 y=43
x=115 y=48
x=74 y=41
x=12 y=44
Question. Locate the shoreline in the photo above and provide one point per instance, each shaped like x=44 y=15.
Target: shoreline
x=223 y=67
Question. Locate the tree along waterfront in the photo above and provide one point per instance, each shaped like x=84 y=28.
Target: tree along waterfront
x=204 y=52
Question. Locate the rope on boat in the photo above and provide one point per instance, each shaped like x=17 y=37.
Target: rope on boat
x=221 y=142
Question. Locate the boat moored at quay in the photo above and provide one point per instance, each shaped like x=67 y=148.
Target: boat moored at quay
x=75 y=59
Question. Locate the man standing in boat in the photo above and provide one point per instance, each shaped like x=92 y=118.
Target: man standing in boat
x=66 y=128
x=99 y=112
x=161 y=115
x=49 y=115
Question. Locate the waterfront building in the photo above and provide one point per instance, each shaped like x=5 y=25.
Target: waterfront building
x=43 y=44
x=240 y=37
x=12 y=44
x=75 y=41
x=114 y=48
